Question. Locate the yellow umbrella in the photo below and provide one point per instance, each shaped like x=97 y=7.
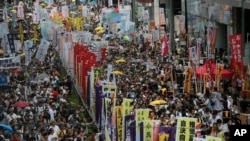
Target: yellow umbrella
x=120 y=61
x=158 y=102
x=49 y=7
x=43 y=4
x=13 y=11
x=163 y=90
x=118 y=72
x=99 y=28
x=100 y=32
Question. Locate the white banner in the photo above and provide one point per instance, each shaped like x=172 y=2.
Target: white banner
x=42 y=50
x=28 y=53
x=10 y=63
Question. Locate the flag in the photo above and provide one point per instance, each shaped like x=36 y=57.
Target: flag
x=164 y=47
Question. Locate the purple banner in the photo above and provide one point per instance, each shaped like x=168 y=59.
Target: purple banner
x=141 y=131
x=130 y=129
x=98 y=105
x=168 y=130
x=88 y=90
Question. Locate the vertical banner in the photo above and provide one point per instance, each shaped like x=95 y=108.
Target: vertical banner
x=140 y=115
x=119 y=123
x=205 y=80
x=98 y=103
x=162 y=17
x=185 y=129
x=28 y=53
x=107 y=119
x=21 y=32
x=214 y=39
x=211 y=138
x=187 y=81
x=167 y=133
x=11 y=42
x=42 y=50
x=129 y=128
x=147 y=130
x=219 y=69
x=236 y=51
x=127 y=107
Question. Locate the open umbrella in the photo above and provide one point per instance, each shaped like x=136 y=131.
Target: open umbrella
x=100 y=32
x=118 y=72
x=158 y=102
x=120 y=61
x=6 y=127
x=99 y=28
x=21 y=104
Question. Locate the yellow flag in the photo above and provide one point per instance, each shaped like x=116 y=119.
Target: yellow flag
x=21 y=33
x=164 y=137
x=187 y=81
x=119 y=122
x=147 y=130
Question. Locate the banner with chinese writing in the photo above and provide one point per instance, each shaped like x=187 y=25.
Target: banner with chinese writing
x=166 y=133
x=236 y=53
x=107 y=119
x=42 y=50
x=127 y=107
x=187 y=81
x=185 y=128
x=147 y=130
x=10 y=62
x=211 y=138
x=119 y=122
x=140 y=115
x=129 y=128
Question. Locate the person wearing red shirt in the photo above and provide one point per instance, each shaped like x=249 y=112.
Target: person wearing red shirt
x=55 y=93
x=15 y=137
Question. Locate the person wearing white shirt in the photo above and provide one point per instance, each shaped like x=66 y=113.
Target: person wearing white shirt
x=52 y=112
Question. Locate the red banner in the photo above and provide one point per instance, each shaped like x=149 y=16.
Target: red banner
x=236 y=51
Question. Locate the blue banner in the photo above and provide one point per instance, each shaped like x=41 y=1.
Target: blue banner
x=3 y=79
x=11 y=42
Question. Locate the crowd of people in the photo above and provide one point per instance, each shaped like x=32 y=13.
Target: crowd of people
x=148 y=76
x=44 y=112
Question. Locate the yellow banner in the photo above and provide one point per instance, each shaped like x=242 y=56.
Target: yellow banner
x=148 y=130
x=219 y=70
x=35 y=35
x=164 y=137
x=119 y=122
x=127 y=107
x=107 y=117
x=187 y=82
x=140 y=115
x=21 y=33
x=211 y=138
x=185 y=129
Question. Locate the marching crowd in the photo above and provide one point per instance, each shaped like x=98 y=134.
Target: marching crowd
x=46 y=114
